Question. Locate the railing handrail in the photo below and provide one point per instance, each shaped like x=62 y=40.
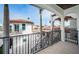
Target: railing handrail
x=25 y=34
x=19 y=35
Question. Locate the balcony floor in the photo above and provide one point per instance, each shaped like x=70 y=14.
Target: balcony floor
x=61 y=48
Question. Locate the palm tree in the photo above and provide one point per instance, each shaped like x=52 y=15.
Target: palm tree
x=6 y=30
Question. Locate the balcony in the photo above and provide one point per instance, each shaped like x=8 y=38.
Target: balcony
x=70 y=46
x=49 y=44
x=37 y=42
x=61 y=48
x=31 y=43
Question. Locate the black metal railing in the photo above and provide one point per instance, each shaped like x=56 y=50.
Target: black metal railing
x=47 y=40
x=31 y=43
x=71 y=35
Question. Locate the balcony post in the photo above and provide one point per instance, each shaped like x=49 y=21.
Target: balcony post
x=40 y=11
x=6 y=30
x=53 y=20
x=78 y=28
x=62 y=29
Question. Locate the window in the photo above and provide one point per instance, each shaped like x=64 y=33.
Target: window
x=10 y=28
x=23 y=26
x=16 y=27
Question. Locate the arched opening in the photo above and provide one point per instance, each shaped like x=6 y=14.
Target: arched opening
x=70 y=24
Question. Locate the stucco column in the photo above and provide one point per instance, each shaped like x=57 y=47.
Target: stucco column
x=53 y=20
x=78 y=36
x=78 y=28
x=6 y=30
x=40 y=12
x=62 y=29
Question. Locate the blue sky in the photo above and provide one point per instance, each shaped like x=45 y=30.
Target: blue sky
x=22 y=11
x=1 y=13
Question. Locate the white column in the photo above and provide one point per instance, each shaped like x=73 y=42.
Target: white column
x=78 y=36
x=40 y=12
x=62 y=29
x=6 y=30
x=78 y=28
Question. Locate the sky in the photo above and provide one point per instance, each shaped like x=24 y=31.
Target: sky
x=1 y=13
x=23 y=11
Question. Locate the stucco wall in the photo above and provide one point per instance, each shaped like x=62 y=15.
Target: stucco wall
x=74 y=12
x=26 y=31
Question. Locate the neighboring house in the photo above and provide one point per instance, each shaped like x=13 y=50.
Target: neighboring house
x=20 y=26
x=36 y=28
x=1 y=31
x=0 y=28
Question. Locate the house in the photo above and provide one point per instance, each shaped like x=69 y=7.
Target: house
x=1 y=30
x=46 y=28
x=20 y=26
x=36 y=28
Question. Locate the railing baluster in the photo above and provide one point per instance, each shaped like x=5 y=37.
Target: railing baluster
x=25 y=43
x=22 y=45
x=33 y=44
x=19 y=45
x=28 y=43
x=12 y=45
x=16 y=45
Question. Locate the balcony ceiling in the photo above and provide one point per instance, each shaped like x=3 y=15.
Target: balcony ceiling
x=66 y=6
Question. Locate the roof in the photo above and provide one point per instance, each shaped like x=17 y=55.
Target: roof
x=21 y=21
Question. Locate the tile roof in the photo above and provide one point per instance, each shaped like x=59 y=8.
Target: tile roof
x=20 y=21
